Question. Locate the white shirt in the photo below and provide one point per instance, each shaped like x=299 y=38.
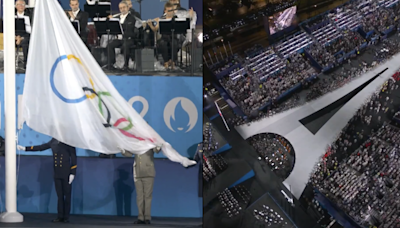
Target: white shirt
x=74 y=13
x=121 y=21
x=122 y=18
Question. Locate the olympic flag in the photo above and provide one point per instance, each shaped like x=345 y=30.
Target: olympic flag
x=68 y=96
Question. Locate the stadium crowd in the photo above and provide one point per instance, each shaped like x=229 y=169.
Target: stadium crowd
x=359 y=171
x=336 y=80
x=323 y=57
x=252 y=94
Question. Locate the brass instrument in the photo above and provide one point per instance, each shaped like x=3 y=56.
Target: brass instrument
x=116 y=15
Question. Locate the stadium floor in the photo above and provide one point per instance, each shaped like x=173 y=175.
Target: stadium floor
x=267 y=181
x=97 y=221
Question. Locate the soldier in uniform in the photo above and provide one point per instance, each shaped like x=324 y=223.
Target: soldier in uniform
x=64 y=157
x=143 y=176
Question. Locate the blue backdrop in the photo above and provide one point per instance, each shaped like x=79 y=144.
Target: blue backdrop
x=150 y=8
x=158 y=91
x=106 y=187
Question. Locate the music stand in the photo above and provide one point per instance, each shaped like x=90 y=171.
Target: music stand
x=140 y=6
x=77 y=26
x=110 y=28
x=174 y=26
x=19 y=29
x=97 y=10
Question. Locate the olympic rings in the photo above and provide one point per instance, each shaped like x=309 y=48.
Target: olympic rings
x=93 y=94
x=55 y=90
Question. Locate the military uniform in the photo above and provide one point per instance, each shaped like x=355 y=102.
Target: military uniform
x=64 y=157
x=143 y=176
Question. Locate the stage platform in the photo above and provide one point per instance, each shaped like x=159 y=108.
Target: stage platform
x=169 y=73
x=96 y=221
x=198 y=72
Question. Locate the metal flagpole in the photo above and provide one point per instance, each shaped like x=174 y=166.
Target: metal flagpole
x=225 y=48
x=222 y=116
x=212 y=62
x=11 y=215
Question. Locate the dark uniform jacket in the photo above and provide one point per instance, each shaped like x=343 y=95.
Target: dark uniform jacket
x=128 y=27
x=134 y=13
x=64 y=157
x=28 y=13
x=83 y=18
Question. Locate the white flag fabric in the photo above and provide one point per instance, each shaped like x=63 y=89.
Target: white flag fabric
x=68 y=96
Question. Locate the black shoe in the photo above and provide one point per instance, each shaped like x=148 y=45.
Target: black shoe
x=57 y=220
x=147 y=222
x=111 y=67
x=126 y=70
x=66 y=220
x=139 y=222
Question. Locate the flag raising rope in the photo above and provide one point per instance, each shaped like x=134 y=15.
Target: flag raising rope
x=68 y=96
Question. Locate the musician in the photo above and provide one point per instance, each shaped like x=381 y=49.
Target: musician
x=181 y=12
x=127 y=22
x=132 y=10
x=191 y=15
x=77 y=14
x=22 y=38
x=177 y=4
x=164 y=41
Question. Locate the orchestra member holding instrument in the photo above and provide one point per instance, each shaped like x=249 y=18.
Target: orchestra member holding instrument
x=76 y=14
x=127 y=22
x=165 y=41
x=177 y=5
x=131 y=10
x=22 y=38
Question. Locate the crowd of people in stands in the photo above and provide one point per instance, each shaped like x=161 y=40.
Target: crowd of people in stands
x=253 y=51
x=376 y=20
x=252 y=93
x=318 y=52
x=386 y=19
x=359 y=171
x=224 y=64
x=336 y=80
x=349 y=41
x=389 y=48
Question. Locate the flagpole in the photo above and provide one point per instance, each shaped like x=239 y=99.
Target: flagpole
x=11 y=215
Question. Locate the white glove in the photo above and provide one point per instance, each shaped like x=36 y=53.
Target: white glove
x=122 y=150
x=187 y=163
x=21 y=148
x=71 y=178
x=125 y=153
